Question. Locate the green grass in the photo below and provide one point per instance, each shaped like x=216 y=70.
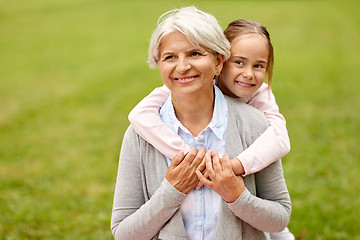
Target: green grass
x=70 y=72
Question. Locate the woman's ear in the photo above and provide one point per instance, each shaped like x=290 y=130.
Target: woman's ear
x=219 y=63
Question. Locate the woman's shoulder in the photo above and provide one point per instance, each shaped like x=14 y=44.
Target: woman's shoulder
x=132 y=138
x=240 y=108
x=246 y=114
x=133 y=142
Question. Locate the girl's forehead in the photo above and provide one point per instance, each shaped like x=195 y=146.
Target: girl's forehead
x=247 y=36
x=250 y=45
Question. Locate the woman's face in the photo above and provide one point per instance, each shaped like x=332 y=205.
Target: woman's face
x=244 y=72
x=186 y=69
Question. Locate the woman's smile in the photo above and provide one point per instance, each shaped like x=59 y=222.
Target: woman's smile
x=186 y=79
x=185 y=68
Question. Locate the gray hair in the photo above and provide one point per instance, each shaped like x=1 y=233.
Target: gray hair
x=200 y=28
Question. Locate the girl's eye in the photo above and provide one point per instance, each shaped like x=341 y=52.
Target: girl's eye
x=259 y=66
x=239 y=63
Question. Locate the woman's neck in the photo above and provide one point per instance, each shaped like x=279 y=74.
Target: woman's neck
x=195 y=112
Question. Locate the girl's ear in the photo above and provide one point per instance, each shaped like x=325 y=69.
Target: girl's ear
x=219 y=63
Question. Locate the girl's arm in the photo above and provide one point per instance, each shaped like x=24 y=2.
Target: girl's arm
x=146 y=121
x=273 y=144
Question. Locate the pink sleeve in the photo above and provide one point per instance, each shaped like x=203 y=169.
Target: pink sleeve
x=146 y=121
x=274 y=143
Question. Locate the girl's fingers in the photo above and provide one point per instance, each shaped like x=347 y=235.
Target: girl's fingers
x=209 y=167
x=203 y=179
x=202 y=166
x=200 y=184
x=226 y=164
x=206 y=175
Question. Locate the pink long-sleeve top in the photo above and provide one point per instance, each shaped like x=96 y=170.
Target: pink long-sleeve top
x=272 y=145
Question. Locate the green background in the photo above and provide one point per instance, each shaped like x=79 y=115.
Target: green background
x=70 y=72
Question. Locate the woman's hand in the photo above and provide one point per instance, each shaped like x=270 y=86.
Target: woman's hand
x=182 y=170
x=237 y=168
x=222 y=178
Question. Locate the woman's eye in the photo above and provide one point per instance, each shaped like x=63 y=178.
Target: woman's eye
x=194 y=54
x=168 y=58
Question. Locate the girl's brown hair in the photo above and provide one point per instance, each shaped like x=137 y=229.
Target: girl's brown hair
x=241 y=27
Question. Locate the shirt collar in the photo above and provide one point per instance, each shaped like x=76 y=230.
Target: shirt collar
x=217 y=123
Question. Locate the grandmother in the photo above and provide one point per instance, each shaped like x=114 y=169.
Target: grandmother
x=155 y=197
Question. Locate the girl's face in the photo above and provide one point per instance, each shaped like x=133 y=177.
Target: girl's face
x=186 y=69
x=244 y=72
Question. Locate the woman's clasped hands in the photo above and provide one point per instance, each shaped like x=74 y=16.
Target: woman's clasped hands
x=182 y=170
x=201 y=167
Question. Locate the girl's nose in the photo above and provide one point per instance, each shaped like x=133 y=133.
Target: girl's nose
x=248 y=73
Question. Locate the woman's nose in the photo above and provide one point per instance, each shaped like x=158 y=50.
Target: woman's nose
x=183 y=65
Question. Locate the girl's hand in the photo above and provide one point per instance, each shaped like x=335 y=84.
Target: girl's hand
x=237 y=168
x=222 y=178
x=181 y=172
x=202 y=169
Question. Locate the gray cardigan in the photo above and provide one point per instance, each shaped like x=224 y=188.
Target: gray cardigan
x=146 y=205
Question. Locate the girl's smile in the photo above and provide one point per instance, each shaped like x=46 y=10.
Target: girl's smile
x=244 y=72
x=245 y=85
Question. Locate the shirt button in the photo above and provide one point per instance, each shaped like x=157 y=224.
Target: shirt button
x=199 y=223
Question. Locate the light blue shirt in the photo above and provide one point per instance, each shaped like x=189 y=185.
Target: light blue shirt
x=201 y=207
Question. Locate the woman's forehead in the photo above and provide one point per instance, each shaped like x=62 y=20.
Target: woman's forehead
x=177 y=41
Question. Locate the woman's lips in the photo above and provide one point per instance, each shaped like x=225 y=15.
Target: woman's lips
x=186 y=79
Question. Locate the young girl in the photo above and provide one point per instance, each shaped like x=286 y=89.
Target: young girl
x=242 y=77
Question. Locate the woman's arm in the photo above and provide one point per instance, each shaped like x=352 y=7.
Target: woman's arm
x=134 y=216
x=270 y=210
x=146 y=121
x=265 y=202
x=274 y=143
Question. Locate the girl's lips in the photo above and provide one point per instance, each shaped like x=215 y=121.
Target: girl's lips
x=245 y=85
